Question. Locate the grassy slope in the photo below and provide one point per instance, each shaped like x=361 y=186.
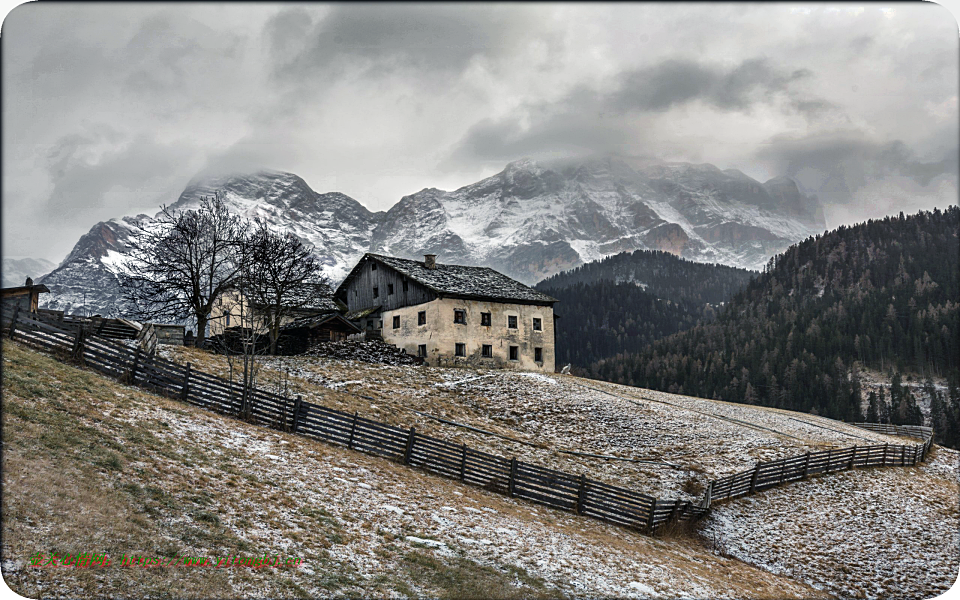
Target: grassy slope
x=92 y=465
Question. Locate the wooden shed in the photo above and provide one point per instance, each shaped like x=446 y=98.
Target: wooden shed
x=301 y=334
x=26 y=296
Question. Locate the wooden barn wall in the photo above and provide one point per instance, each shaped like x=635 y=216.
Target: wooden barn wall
x=359 y=292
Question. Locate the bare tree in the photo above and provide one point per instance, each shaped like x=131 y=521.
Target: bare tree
x=183 y=261
x=281 y=276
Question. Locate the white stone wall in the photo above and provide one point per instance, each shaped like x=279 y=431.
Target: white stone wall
x=441 y=334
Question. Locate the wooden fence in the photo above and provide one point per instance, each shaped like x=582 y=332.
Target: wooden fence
x=770 y=474
x=574 y=493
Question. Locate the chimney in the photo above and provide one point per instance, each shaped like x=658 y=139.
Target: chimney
x=29 y=282
x=430 y=261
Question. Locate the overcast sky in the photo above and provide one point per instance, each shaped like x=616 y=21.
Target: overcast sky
x=110 y=109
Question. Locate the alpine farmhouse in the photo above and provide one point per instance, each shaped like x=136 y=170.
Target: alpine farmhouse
x=452 y=315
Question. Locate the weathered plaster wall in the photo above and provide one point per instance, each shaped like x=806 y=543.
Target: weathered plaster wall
x=441 y=334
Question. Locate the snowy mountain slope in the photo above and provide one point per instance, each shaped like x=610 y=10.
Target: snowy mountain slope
x=529 y=221
x=16 y=270
x=533 y=218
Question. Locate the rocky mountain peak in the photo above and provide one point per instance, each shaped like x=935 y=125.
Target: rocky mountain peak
x=532 y=219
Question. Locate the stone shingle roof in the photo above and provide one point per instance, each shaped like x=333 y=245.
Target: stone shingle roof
x=467 y=282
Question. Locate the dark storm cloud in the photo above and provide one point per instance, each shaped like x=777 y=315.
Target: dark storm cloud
x=841 y=163
x=384 y=37
x=675 y=82
x=589 y=121
x=116 y=179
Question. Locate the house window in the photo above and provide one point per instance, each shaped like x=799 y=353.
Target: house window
x=511 y=321
x=538 y=355
x=537 y=324
x=486 y=351
x=405 y=286
x=460 y=350
x=389 y=289
x=514 y=352
x=396 y=322
x=376 y=292
x=485 y=319
x=460 y=316
x=422 y=350
x=422 y=317
x=373 y=266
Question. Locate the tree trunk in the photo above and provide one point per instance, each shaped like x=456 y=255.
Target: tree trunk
x=202 y=321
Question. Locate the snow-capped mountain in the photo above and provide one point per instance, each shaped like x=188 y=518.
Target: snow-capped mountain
x=534 y=219
x=529 y=221
x=16 y=270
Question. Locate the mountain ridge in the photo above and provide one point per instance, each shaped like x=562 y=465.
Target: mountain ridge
x=529 y=221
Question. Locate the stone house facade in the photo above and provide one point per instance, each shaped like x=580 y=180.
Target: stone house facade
x=453 y=315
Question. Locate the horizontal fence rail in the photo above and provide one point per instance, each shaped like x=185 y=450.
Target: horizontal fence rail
x=533 y=483
x=766 y=475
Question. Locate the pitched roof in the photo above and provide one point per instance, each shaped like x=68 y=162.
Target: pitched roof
x=317 y=320
x=461 y=281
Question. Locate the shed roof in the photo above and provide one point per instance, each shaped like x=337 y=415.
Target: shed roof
x=458 y=281
x=316 y=321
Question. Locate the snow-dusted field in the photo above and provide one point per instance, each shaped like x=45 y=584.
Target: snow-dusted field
x=870 y=533
x=187 y=481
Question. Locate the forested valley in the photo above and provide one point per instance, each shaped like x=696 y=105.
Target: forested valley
x=881 y=294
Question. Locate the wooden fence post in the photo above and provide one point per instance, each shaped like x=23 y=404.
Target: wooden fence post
x=463 y=463
x=13 y=321
x=185 y=387
x=903 y=455
x=675 y=511
x=136 y=365
x=709 y=495
x=353 y=430
x=651 y=514
x=512 y=482
x=853 y=457
x=885 y=454
x=753 y=478
x=297 y=404
x=829 y=457
x=581 y=493
x=77 y=349
x=409 y=449
x=806 y=466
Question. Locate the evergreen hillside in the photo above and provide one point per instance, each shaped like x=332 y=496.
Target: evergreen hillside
x=662 y=274
x=882 y=293
x=604 y=319
x=624 y=302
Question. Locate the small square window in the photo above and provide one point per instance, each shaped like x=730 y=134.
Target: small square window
x=460 y=316
x=422 y=350
x=486 y=351
x=537 y=324
x=514 y=352
x=405 y=286
x=538 y=355
x=460 y=350
x=485 y=319
x=511 y=320
x=376 y=292
x=422 y=317
x=389 y=289
x=396 y=322
x=373 y=266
